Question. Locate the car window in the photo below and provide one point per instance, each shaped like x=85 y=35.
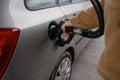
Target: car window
x=38 y=4
x=63 y=2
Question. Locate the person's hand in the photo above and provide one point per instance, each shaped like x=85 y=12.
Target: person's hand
x=66 y=24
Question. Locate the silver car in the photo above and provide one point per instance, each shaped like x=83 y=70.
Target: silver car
x=26 y=50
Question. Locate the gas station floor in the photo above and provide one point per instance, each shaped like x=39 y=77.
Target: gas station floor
x=85 y=66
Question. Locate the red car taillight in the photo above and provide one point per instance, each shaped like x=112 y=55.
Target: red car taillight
x=8 y=41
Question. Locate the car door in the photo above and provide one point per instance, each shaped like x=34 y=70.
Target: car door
x=70 y=8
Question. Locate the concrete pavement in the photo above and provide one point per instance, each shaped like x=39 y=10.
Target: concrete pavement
x=85 y=66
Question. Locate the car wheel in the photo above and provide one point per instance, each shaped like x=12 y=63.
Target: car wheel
x=63 y=69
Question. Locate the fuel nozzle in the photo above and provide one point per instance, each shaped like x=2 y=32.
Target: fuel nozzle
x=74 y=30
x=85 y=32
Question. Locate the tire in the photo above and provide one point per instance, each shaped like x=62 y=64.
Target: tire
x=62 y=70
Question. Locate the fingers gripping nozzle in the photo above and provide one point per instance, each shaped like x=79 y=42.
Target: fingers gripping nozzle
x=61 y=41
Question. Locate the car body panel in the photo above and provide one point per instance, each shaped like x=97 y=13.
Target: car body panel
x=35 y=55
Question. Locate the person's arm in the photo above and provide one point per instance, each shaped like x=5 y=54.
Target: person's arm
x=86 y=19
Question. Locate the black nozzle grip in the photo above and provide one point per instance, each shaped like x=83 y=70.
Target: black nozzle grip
x=69 y=29
x=61 y=42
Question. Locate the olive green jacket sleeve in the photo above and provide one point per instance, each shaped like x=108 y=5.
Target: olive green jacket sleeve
x=86 y=19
